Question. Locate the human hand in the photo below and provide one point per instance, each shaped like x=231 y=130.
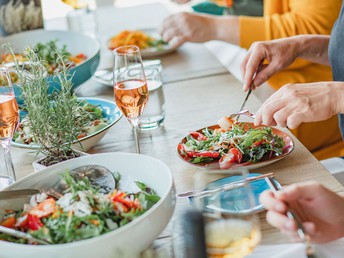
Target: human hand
x=187 y=27
x=319 y=209
x=294 y=104
x=280 y=53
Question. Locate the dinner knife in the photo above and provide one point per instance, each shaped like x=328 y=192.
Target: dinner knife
x=260 y=67
x=225 y=187
x=12 y=194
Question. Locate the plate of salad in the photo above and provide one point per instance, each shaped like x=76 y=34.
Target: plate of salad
x=148 y=40
x=86 y=223
x=240 y=145
x=101 y=115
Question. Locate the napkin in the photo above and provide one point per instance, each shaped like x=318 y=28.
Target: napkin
x=333 y=249
x=231 y=56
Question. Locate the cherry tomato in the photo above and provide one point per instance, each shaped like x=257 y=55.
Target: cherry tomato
x=234 y=156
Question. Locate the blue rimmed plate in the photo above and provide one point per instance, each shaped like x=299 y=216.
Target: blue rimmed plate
x=233 y=202
x=110 y=111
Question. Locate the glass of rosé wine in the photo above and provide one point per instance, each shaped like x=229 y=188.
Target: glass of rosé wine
x=9 y=118
x=130 y=86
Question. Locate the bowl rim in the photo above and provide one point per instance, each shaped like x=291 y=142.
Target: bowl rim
x=96 y=42
x=105 y=235
x=35 y=147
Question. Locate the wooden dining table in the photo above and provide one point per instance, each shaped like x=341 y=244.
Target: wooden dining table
x=198 y=91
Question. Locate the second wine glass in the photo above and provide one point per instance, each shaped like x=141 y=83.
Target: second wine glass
x=9 y=118
x=130 y=86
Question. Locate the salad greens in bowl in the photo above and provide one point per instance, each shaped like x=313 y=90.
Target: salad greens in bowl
x=81 y=52
x=102 y=115
x=86 y=223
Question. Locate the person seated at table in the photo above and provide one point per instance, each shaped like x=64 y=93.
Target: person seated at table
x=282 y=18
x=320 y=210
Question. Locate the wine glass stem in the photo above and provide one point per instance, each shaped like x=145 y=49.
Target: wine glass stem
x=136 y=137
x=8 y=160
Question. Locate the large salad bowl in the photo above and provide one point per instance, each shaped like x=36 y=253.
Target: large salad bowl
x=76 y=43
x=126 y=241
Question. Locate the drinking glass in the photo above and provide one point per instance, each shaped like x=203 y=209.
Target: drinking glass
x=231 y=226
x=155 y=110
x=9 y=118
x=130 y=86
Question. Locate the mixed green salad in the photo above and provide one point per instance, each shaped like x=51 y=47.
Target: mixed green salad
x=47 y=52
x=240 y=144
x=94 y=122
x=82 y=212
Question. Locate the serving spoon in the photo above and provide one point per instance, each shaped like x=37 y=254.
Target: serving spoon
x=20 y=234
x=99 y=176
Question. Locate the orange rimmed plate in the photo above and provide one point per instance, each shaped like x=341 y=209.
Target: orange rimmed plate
x=214 y=164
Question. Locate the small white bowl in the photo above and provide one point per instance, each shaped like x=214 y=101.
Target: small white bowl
x=126 y=241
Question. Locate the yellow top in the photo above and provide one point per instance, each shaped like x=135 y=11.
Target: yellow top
x=284 y=18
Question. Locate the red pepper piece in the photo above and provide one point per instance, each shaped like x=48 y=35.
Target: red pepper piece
x=198 y=136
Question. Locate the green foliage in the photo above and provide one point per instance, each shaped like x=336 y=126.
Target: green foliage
x=55 y=119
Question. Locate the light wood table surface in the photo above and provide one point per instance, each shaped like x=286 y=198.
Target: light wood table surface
x=198 y=92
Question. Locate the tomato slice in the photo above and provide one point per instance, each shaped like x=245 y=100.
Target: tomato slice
x=234 y=156
x=33 y=222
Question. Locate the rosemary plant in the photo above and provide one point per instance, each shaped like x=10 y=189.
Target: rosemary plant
x=55 y=119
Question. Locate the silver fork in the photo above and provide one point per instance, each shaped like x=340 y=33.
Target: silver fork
x=244 y=112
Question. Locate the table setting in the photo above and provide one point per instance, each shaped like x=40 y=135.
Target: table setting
x=178 y=148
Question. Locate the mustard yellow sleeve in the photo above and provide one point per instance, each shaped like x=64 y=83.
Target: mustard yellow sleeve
x=298 y=17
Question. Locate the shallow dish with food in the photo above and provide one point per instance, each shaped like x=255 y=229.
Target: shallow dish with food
x=76 y=43
x=228 y=203
x=212 y=159
x=126 y=241
x=110 y=112
x=148 y=40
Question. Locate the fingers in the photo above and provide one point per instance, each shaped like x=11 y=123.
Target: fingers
x=306 y=190
x=243 y=66
x=251 y=67
x=269 y=201
x=281 y=221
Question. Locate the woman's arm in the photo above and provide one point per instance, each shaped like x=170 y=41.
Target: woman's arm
x=286 y=18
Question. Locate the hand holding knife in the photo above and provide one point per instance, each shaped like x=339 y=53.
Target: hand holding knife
x=260 y=67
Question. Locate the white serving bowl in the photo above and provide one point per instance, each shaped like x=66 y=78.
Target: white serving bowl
x=126 y=241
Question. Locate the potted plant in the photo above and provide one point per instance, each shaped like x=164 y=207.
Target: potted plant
x=55 y=119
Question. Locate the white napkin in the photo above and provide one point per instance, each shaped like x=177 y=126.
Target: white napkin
x=231 y=56
x=334 y=249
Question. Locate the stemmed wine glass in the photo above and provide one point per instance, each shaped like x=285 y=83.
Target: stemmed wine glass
x=231 y=225
x=130 y=86
x=9 y=118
